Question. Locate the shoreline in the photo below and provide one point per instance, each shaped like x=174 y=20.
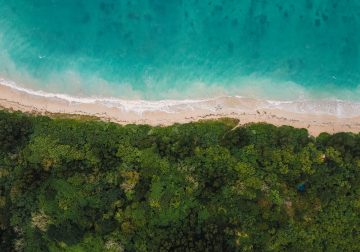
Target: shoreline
x=316 y=116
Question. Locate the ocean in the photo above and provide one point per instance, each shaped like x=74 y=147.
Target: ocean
x=183 y=49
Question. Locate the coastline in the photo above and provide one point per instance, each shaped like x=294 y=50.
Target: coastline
x=316 y=116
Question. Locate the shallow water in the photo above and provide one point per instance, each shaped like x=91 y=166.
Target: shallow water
x=183 y=49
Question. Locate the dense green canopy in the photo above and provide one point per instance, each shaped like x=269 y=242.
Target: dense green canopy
x=82 y=185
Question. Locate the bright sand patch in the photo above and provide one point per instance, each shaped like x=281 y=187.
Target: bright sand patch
x=317 y=117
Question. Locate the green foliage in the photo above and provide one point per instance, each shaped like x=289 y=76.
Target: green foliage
x=14 y=130
x=72 y=185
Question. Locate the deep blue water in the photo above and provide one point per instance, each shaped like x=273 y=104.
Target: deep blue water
x=156 y=49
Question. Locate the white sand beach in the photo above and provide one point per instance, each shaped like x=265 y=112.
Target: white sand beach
x=315 y=116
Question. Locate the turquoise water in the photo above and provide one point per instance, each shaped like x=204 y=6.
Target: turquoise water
x=157 y=49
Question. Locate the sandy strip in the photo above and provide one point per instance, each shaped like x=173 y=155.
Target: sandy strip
x=246 y=110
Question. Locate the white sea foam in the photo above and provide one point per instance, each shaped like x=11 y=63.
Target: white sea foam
x=126 y=105
x=336 y=107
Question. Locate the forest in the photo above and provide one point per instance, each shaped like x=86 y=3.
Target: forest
x=85 y=185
